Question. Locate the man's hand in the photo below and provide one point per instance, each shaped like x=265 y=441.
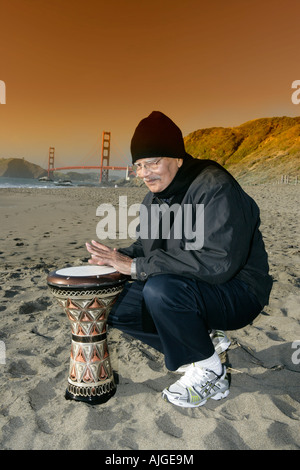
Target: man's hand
x=103 y=255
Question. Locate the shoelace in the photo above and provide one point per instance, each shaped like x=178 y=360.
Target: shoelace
x=194 y=376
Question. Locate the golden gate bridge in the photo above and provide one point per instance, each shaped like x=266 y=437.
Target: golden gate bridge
x=104 y=164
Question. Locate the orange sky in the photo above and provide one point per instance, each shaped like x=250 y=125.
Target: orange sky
x=73 y=69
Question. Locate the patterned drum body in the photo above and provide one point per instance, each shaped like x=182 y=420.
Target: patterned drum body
x=87 y=294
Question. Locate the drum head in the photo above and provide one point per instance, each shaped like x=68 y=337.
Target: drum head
x=85 y=276
x=84 y=271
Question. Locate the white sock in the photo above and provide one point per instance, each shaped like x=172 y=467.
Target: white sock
x=212 y=363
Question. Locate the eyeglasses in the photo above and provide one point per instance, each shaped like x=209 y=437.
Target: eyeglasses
x=151 y=165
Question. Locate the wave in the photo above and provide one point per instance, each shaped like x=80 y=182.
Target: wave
x=7 y=182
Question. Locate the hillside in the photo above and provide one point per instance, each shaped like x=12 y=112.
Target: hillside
x=20 y=168
x=257 y=151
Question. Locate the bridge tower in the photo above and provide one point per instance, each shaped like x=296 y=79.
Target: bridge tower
x=51 y=160
x=105 y=156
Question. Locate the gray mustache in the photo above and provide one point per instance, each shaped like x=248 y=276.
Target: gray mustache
x=151 y=179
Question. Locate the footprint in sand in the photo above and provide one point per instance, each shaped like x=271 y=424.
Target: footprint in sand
x=34 y=306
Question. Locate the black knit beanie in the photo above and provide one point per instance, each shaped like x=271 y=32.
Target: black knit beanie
x=157 y=136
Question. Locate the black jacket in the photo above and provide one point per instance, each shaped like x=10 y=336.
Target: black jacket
x=232 y=242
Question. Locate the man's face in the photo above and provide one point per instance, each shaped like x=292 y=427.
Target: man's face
x=159 y=172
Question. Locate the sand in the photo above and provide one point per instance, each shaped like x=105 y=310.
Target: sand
x=44 y=229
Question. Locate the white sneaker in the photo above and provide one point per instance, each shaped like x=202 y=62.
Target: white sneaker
x=196 y=386
x=221 y=343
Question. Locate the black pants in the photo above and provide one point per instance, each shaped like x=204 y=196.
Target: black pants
x=174 y=314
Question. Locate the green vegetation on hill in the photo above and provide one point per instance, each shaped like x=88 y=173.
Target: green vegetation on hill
x=20 y=168
x=256 y=151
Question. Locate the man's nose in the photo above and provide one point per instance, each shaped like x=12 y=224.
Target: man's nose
x=144 y=171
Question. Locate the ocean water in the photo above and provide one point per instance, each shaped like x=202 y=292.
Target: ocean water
x=35 y=183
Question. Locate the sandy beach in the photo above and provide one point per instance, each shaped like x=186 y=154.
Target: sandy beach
x=46 y=229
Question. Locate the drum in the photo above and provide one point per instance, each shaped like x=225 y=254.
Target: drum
x=87 y=294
